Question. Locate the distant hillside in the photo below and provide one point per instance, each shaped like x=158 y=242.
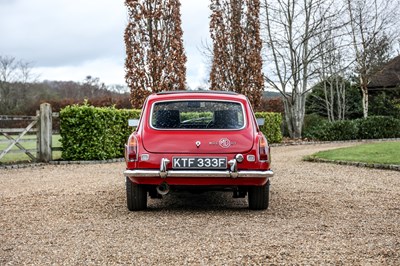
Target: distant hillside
x=271 y=94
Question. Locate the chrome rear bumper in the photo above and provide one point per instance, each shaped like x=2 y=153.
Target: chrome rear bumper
x=232 y=173
x=199 y=174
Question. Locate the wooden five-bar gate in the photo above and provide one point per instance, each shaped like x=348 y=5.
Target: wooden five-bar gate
x=41 y=124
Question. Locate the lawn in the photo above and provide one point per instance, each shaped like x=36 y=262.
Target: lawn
x=29 y=142
x=372 y=153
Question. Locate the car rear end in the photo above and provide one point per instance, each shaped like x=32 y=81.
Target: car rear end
x=197 y=141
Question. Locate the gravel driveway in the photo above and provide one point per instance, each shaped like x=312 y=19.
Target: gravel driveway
x=319 y=214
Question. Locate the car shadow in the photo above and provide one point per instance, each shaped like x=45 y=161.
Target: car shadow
x=112 y=203
x=205 y=201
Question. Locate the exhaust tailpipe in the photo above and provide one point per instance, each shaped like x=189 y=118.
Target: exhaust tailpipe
x=163 y=188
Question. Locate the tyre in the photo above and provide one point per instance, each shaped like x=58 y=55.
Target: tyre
x=259 y=197
x=136 y=196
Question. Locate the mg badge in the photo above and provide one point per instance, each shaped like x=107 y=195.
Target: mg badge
x=224 y=143
x=198 y=143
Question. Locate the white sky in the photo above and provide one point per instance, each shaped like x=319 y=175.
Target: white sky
x=71 y=39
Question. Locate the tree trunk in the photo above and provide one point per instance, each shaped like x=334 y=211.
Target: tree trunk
x=364 y=90
x=294 y=115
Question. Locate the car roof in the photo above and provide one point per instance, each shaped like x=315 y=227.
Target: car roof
x=199 y=91
x=199 y=94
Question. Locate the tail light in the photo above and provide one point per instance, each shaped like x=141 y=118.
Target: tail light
x=263 y=149
x=131 y=149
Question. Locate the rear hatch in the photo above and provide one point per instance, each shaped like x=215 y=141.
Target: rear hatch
x=198 y=127
x=195 y=142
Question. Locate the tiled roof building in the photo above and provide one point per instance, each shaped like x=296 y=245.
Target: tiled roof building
x=388 y=77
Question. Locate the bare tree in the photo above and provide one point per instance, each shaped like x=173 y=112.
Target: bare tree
x=237 y=62
x=332 y=69
x=155 y=56
x=371 y=21
x=339 y=67
x=92 y=87
x=15 y=76
x=292 y=30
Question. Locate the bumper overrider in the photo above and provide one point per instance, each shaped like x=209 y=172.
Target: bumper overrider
x=232 y=172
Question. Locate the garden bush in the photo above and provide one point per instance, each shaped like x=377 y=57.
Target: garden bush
x=272 y=126
x=94 y=133
x=378 y=127
x=311 y=122
x=339 y=130
x=373 y=127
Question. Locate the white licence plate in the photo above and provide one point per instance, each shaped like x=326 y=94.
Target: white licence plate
x=199 y=162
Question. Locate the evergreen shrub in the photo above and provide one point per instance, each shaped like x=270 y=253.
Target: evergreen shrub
x=379 y=127
x=94 y=133
x=373 y=127
x=272 y=126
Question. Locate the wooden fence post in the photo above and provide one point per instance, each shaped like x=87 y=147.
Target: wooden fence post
x=45 y=133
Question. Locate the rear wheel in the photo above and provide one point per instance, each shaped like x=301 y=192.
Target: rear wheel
x=259 y=197
x=136 y=196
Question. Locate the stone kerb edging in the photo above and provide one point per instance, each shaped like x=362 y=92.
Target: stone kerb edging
x=358 y=164
x=22 y=165
x=118 y=160
x=29 y=165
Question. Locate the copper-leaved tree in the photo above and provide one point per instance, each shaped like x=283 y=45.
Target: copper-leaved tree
x=155 y=57
x=237 y=62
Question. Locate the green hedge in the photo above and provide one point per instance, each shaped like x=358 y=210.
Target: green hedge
x=94 y=133
x=379 y=127
x=373 y=127
x=99 y=133
x=272 y=126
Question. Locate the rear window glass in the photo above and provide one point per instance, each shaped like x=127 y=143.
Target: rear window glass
x=197 y=115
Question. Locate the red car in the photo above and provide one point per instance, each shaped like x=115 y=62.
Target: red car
x=195 y=141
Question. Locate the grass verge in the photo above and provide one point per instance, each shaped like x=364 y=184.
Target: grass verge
x=28 y=143
x=387 y=153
